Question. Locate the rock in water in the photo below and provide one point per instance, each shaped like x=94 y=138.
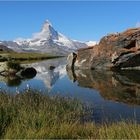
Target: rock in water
x=28 y=73
x=51 y=67
x=114 y=51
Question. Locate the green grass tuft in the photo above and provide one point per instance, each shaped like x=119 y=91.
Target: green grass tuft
x=34 y=115
x=24 y=56
x=13 y=65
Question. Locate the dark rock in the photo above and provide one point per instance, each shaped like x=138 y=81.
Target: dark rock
x=28 y=73
x=51 y=67
x=114 y=51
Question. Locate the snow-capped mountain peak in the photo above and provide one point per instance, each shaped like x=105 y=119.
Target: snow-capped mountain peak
x=46 y=25
x=47 y=32
x=47 y=40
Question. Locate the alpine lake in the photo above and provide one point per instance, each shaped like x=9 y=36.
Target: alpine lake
x=113 y=96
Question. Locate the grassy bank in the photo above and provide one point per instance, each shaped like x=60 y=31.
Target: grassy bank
x=25 y=56
x=32 y=115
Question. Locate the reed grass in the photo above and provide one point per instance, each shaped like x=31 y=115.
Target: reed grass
x=36 y=116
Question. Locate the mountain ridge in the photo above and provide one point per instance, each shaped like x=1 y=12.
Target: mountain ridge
x=47 y=40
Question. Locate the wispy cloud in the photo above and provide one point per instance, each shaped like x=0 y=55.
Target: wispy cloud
x=138 y=24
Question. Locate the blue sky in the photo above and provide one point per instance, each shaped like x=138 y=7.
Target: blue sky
x=77 y=20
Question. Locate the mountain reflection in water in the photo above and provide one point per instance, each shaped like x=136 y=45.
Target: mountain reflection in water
x=112 y=95
x=48 y=72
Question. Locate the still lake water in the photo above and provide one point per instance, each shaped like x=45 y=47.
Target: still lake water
x=113 y=96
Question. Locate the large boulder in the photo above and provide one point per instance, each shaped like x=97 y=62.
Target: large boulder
x=114 y=51
x=27 y=73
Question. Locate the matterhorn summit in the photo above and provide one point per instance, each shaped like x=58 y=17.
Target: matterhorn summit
x=47 y=32
x=46 y=26
x=47 y=40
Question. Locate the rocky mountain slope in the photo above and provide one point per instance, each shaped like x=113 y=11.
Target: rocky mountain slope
x=114 y=51
x=47 y=40
x=3 y=48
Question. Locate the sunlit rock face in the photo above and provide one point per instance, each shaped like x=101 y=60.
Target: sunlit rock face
x=114 y=51
x=122 y=86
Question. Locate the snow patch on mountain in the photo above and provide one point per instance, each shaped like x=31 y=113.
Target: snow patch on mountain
x=47 y=40
x=91 y=43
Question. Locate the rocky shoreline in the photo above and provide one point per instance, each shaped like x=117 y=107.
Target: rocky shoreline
x=114 y=51
x=13 y=73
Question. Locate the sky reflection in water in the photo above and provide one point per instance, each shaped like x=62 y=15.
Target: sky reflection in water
x=113 y=96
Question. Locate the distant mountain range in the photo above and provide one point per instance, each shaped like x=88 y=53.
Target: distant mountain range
x=47 y=40
x=3 y=48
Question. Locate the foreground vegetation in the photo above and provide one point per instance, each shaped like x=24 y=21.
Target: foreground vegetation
x=6 y=56
x=33 y=115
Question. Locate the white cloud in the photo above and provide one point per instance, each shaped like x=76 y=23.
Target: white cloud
x=138 y=24
x=19 y=39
